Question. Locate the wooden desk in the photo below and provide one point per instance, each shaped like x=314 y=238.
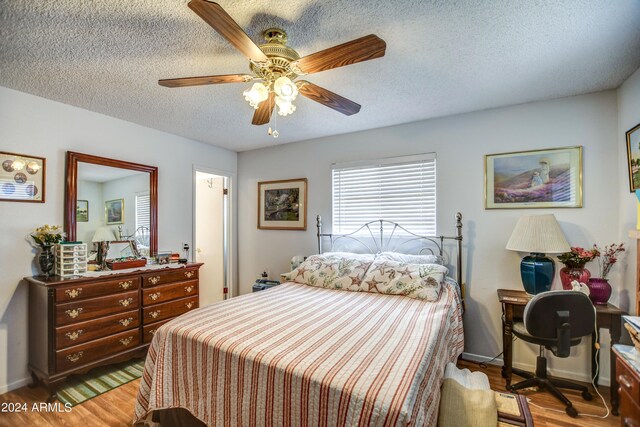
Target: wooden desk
x=607 y=316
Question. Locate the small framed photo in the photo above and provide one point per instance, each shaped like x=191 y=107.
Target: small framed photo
x=114 y=211
x=550 y=178
x=22 y=178
x=282 y=205
x=82 y=211
x=633 y=157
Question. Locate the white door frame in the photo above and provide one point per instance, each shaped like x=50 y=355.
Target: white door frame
x=230 y=262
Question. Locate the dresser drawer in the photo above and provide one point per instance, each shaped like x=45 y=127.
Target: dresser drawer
x=97 y=349
x=96 y=289
x=79 y=311
x=169 y=276
x=628 y=380
x=78 y=333
x=155 y=313
x=150 y=330
x=162 y=293
x=629 y=411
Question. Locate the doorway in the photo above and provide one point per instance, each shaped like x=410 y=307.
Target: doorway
x=211 y=234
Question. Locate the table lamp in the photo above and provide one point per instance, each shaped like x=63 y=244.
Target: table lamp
x=102 y=237
x=539 y=235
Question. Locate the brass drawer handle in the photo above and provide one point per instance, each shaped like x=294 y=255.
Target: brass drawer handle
x=73 y=358
x=125 y=302
x=126 y=284
x=189 y=274
x=74 y=335
x=189 y=305
x=126 y=341
x=125 y=322
x=154 y=279
x=74 y=313
x=625 y=382
x=154 y=296
x=154 y=314
x=152 y=331
x=73 y=293
x=188 y=289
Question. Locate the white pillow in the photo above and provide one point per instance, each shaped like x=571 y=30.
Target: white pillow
x=410 y=259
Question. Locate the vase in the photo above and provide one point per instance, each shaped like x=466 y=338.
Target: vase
x=46 y=260
x=600 y=290
x=569 y=274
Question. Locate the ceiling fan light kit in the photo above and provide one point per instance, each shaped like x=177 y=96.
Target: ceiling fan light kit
x=276 y=66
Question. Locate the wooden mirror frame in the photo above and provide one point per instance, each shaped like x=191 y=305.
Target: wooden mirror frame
x=71 y=192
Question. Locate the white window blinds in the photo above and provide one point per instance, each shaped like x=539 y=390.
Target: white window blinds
x=399 y=189
x=143 y=212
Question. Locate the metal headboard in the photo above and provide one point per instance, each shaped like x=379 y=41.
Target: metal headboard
x=377 y=236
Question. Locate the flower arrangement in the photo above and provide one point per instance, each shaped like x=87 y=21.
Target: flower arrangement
x=48 y=235
x=608 y=256
x=578 y=257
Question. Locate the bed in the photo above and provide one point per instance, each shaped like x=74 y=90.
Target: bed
x=311 y=355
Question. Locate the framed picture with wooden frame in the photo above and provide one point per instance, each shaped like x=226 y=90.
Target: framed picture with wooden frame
x=633 y=157
x=548 y=178
x=114 y=211
x=282 y=205
x=22 y=178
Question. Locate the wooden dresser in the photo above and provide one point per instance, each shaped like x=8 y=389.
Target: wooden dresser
x=628 y=372
x=76 y=324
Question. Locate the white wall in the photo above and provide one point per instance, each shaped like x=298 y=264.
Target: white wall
x=33 y=125
x=628 y=117
x=460 y=143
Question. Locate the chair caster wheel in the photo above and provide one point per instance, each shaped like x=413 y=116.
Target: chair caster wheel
x=571 y=411
x=587 y=396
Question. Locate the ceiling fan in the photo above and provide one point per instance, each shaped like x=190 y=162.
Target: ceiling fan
x=275 y=66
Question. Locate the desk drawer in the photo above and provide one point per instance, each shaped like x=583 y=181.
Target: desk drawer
x=628 y=380
x=79 y=311
x=93 y=350
x=162 y=293
x=629 y=411
x=157 y=312
x=169 y=276
x=96 y=289
x=79 y=333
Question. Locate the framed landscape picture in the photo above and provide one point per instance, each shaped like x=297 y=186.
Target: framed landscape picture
x=82 y=211
x=633 y=157
x=282 y=205
x=549 y=178
x=22 y=177
x=114 y=211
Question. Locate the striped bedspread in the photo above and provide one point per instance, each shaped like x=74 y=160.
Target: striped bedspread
x=297 y=355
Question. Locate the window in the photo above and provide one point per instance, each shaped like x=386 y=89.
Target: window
x=143 y=215
x=399 y=189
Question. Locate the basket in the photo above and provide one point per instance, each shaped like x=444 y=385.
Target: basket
x=635 y=335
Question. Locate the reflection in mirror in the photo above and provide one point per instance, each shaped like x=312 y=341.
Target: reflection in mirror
x=113 y=204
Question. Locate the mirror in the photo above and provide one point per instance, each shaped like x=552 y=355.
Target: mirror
x=111 y=200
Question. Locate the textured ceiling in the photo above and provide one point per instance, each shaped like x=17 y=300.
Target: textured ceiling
x=443 y=57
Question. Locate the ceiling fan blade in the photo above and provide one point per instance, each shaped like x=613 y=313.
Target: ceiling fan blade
x=328 y=98
x=205 y=80
x=358 y=50
x=214 y=15
x=265 y=109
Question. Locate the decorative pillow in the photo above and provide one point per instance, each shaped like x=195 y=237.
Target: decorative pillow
x=410 y=259
x=420 y=281
x=335 y=271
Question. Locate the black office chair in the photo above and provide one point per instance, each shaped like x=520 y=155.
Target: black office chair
x=557 y=321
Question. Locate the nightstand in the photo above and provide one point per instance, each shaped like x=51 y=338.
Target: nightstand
x=607 y=316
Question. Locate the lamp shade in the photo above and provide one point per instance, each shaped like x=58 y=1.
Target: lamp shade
x=104 y=234
x=538 y=234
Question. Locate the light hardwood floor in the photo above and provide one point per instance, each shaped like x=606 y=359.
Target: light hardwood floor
x=115 y=408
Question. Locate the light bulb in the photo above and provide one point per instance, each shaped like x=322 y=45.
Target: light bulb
x=18 y=165
x=256 y=94
x=285 y=89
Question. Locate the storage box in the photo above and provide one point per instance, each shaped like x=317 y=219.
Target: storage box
x=131 y=263
x=71 y=259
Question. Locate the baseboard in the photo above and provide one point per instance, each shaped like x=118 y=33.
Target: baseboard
x=561 y=373
x=5 y=388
